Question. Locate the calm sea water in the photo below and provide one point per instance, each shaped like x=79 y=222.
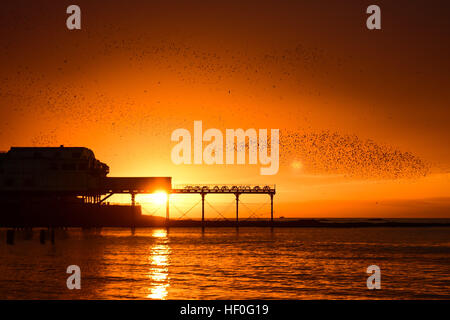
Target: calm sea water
x=254 y=263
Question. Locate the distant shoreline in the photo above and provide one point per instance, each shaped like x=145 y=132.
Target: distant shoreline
x=305 y=223
x=146 y=222
x=160 y=222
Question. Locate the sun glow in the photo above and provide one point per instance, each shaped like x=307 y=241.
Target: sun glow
x=158 y=198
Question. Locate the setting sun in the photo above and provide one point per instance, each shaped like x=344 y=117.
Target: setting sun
x=158 y=198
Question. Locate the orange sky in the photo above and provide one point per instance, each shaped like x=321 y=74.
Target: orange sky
x=363 y=115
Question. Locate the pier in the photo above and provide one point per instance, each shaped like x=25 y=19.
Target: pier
x=69 y=187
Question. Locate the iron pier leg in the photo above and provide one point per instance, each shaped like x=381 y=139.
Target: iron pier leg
x=42 y=237
x=203 y=211
x=52 y=235
x=10 y=236
x=133 y=212
x=271 y=209
x=237 y=209
x=167 y=211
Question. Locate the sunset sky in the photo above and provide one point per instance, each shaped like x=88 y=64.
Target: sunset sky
x=363 y=115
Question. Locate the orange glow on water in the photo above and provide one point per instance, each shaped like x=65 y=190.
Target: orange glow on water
x=159 y=266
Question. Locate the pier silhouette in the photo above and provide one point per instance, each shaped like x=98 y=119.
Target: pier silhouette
x=68 y=187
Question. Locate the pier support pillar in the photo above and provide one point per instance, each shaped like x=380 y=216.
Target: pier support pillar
x=42 y=236
x=10 y=237
x=271 y=209
x=133 y=213
x=52 y=235
x=167 y=210
x=237 y=209
x=203 y=210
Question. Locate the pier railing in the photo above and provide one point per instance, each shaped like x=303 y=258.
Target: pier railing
x=224 y=188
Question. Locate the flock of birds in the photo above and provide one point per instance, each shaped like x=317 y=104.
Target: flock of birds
x=333 y=153
x=61 y=93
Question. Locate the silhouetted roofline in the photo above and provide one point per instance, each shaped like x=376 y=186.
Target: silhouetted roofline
x=33 y=152
x=48 y=148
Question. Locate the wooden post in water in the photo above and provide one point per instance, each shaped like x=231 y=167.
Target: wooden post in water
x=10 y=237
x=42 y=237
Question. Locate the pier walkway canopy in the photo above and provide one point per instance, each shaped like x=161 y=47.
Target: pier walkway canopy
x=133 y=186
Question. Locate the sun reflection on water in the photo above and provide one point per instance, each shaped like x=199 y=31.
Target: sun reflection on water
x=159 y=261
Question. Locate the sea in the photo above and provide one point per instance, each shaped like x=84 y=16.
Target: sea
x=227 y=263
